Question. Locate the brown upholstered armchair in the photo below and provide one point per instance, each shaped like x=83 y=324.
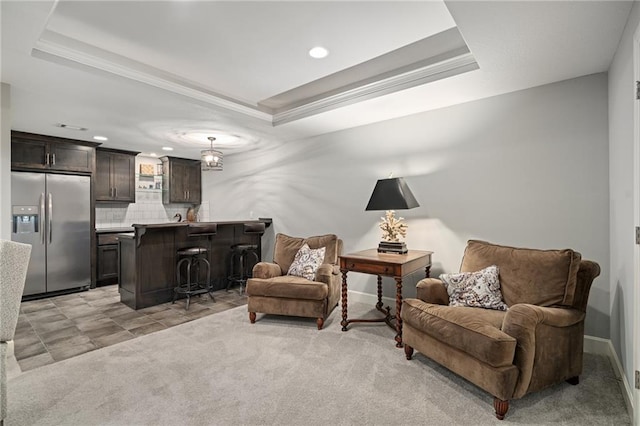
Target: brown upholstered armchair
x=536 y=343
x=272 y=291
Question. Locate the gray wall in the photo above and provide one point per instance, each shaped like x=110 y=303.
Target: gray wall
x=621 y=154
x=528 y=168
x=5 y=161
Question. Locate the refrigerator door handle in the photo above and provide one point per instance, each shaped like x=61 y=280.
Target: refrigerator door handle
x=42 y=232
x=50 y=217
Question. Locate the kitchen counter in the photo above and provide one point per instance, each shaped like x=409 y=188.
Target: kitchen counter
x=114 y=230
x=126 y=235
x=148 y=257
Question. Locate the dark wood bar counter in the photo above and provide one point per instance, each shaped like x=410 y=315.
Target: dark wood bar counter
x=148 y=258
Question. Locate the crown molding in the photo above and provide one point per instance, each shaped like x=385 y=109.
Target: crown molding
x=59 y=51
x=462 y=63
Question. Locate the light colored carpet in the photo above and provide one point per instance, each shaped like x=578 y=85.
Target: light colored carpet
x=222 y=370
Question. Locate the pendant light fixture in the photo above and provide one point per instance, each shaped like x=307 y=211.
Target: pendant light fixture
x=210 y=158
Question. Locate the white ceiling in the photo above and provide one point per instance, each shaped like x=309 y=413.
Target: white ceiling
x=149 y=74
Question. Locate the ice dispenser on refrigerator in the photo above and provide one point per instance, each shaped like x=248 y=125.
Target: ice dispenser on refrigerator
x=25 y=219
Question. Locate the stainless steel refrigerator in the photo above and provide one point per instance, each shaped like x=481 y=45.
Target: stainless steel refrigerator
x=52 y=213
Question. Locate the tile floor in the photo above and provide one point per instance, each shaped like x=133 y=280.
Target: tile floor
x=61 y=327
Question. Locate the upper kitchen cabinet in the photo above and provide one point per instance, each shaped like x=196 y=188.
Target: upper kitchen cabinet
x=115 y=176
x=181 y=181
x=39 y=152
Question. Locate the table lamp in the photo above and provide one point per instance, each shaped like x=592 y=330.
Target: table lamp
x=392 y=194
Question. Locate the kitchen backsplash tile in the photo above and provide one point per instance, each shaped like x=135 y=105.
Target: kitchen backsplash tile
x=148 y=208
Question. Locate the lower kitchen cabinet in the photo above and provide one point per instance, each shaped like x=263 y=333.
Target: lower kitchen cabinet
x=107 y=259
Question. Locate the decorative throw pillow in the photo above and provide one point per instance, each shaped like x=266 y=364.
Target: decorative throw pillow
x=306 y=262
x=476 y=289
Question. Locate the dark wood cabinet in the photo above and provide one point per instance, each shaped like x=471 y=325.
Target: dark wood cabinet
x=39 y=152
x=107 y=259
x=107 y=262
x=181 y=181
x=115 y=176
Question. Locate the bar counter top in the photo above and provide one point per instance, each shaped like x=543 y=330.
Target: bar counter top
x=266 y=221
x=126 y=229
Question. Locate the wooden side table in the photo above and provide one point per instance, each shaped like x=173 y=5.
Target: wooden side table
x=387 y=265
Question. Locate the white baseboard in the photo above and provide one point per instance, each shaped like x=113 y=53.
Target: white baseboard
x=593 y=345
x=597 y=345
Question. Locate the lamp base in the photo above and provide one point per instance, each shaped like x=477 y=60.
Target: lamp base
x=392 y=247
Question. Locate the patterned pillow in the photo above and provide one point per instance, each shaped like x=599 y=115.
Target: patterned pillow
x=476 y=289
x=306 y=262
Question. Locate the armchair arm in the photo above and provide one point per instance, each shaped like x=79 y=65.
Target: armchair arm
x=266 y=270
x=330 y=275
x=549 y=344
x=431 y=290
x=325 y=272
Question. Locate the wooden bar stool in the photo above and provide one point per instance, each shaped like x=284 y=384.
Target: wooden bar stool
x=191 y=259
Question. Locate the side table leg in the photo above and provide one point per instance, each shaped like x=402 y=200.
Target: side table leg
x=379 y=304
x=398 y=308
x=344 y=321
x=427 y=271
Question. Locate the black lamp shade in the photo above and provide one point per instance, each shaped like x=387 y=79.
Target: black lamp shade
x=392 y=194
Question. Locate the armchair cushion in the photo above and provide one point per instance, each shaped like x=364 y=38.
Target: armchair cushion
x=288 y=287
x=472 y=330
x=537 y=277
x=475 y=289
x=306 y=262
x=286 y=248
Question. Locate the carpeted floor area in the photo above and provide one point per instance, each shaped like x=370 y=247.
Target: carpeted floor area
x=222 y=370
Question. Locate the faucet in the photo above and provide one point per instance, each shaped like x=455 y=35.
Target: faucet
x=178 y=216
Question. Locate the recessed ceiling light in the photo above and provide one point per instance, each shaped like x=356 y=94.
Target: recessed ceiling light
x=71 y=127
x=318 y=52
x=101 y=138
x=167 y=148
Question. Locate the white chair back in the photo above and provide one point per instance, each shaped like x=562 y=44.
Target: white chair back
x=14 y=260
